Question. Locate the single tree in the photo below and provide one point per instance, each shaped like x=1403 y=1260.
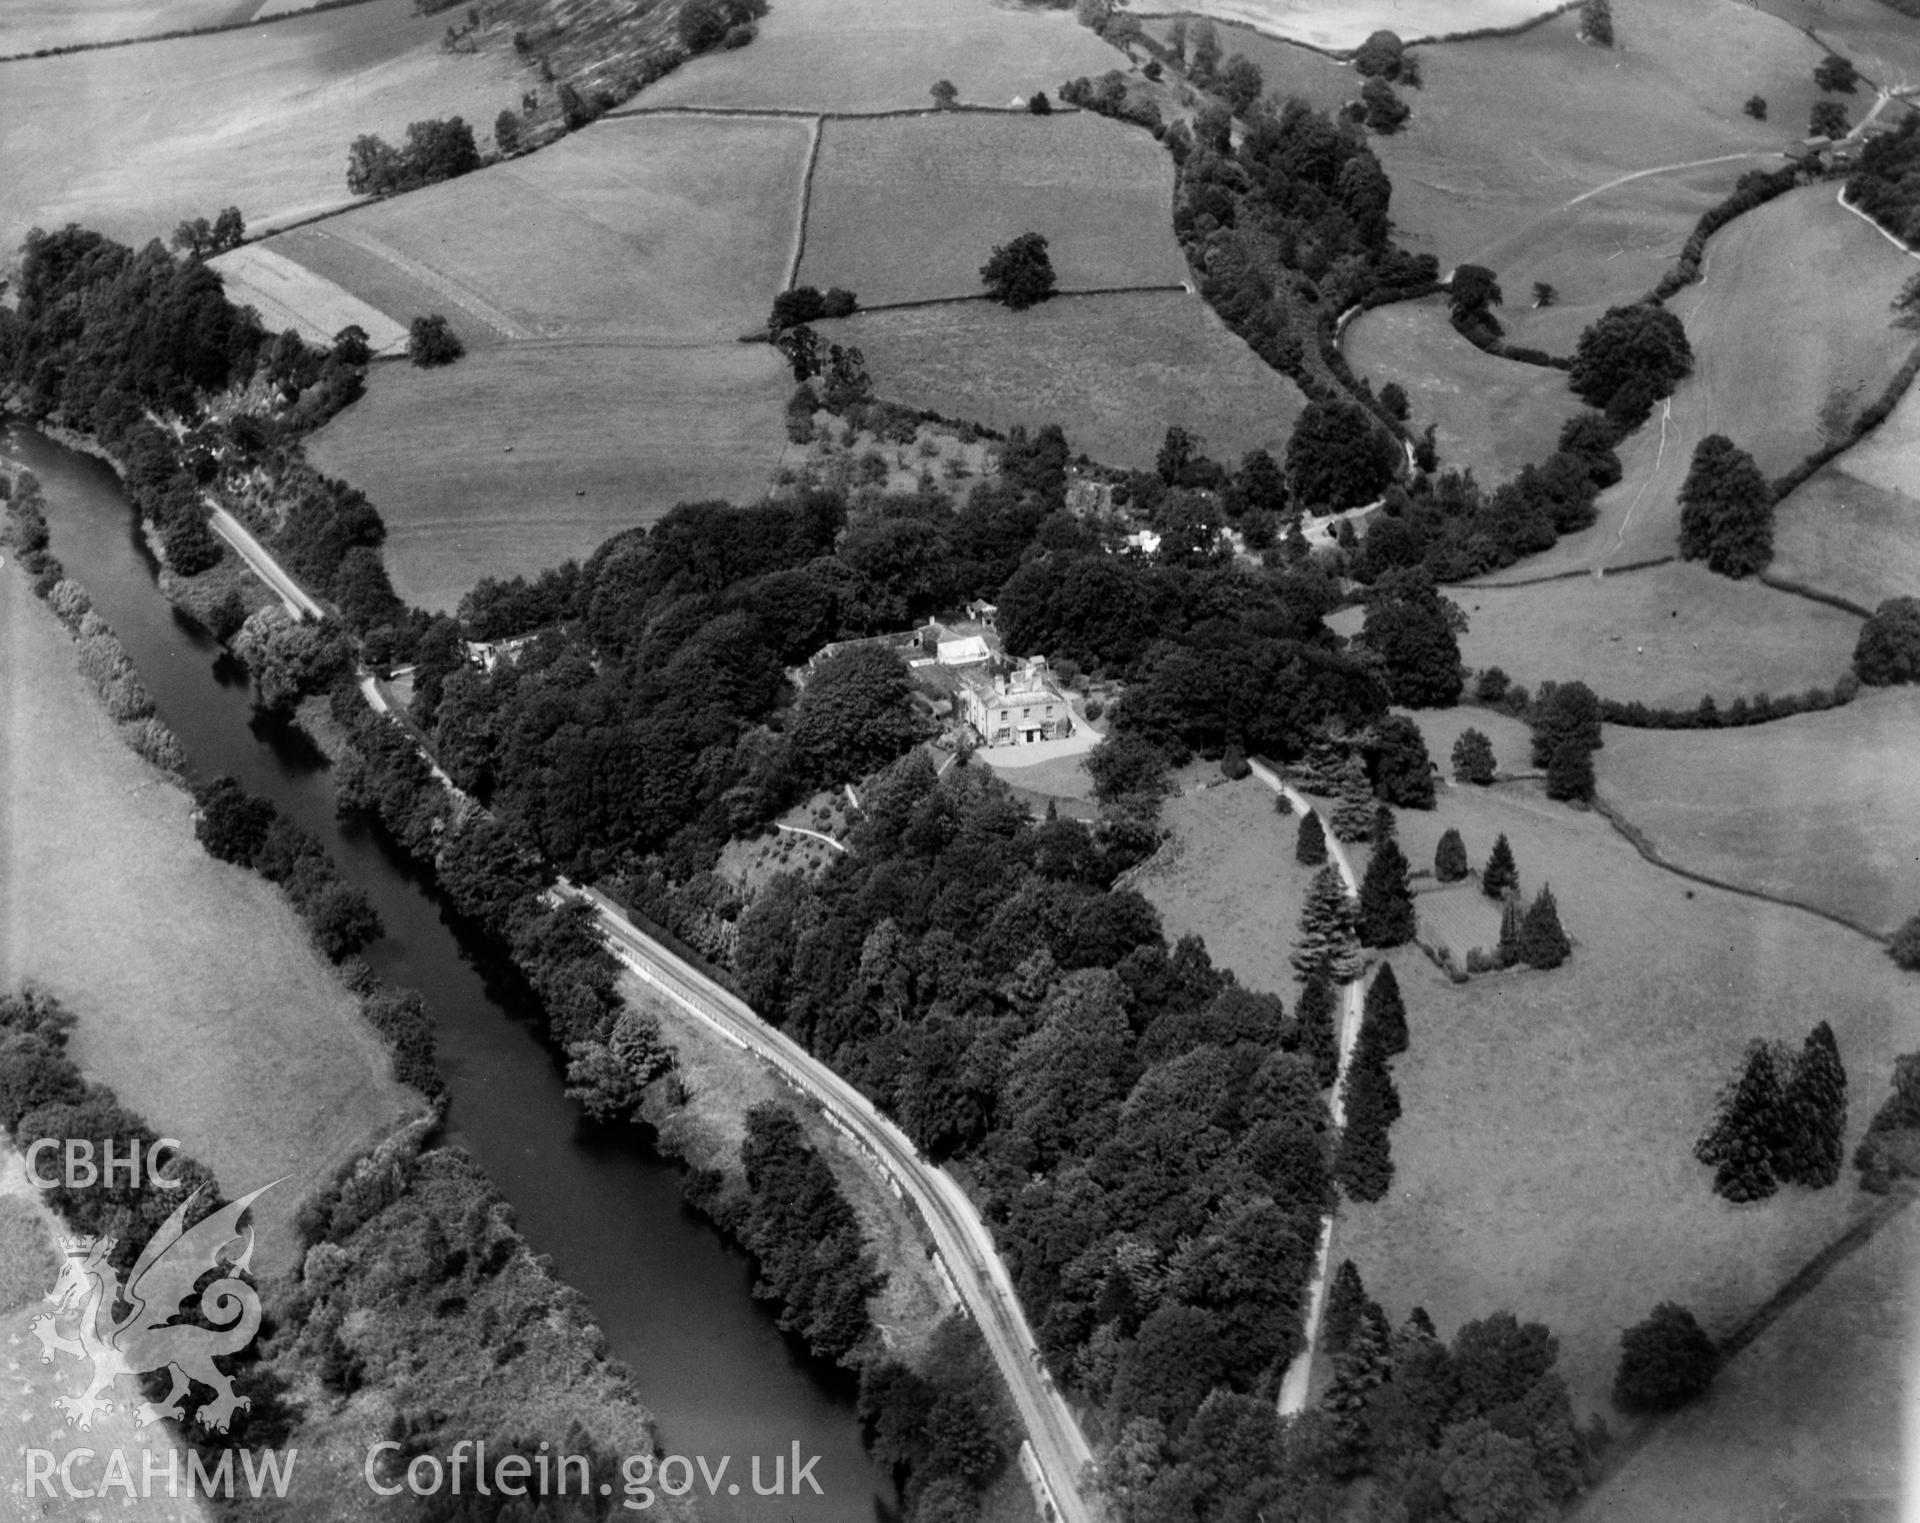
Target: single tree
x=1836 y=74
x=1178 y=449
x=1747 y=1129
x=1353 y=808
x=1888 y=651
x=1665 y=1361
x=1384 y=1012
x=1203 y=45
x=1596 y=22
x=1326 y=943
x=1450 y=863
x=1500 y=877
x=1339 y=456
x=1634 y=354
x=1403 y=772
x=1570 y=772
x=944 y=94
x=432 y=341
x=1019 y=274
x=351 y=345
x=1317 y=1038
x=506 y=132
x=1038 y=104
x=1310 y=845
x=1393 y=397
x=1904 y=949
x=1364 y=1164
x=1241 y=83
x=1543 y=944
x=1473 y=289
x=1346 y=1299
x=1565 y=712
x=1512 y=922
x=1756 y=107
x=1814 y=1106
x=1381 y=55
x=1386 y=917
x=1726 y=510
x=1384 y=826
x=1416 y=633
x=1828 y=119
x=1473 y=759
x=1382 y=108
x=1544 y=295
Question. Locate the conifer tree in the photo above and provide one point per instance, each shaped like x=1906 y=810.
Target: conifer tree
x=1450 y=863
x=1310 y=846
x=1364 y=1165
x=1512 y=924
x=1747 y=1129
x=1570 y=771
x=1317 y=1036
x=1385 y=828
x=1385 y=1013
x=1814 y=1107
x=1543 y=944
x=1353 y=809
x=1326 y=942
x=1346 y=1300
x=1363 y=1366
x=1386 y=901
x=1501 y=876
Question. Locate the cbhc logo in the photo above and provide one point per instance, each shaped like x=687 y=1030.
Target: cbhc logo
x=83 y=1173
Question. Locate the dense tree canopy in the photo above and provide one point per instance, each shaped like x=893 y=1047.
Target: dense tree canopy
x=1019 y=274
x=1631 y=355
x=1338 y=457
x=1726 y=510
x=1888 y=650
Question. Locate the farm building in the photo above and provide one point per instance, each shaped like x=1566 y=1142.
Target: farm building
x=1019 y=708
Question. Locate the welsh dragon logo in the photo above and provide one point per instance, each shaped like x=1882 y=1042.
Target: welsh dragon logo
x=147 y=1338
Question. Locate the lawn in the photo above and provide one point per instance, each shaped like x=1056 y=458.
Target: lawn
x=1114 y=371
x=132 y=140
x=1774 y=349
x=672 y=228
x=1666 y=635
x=1440 y=728
x=1817 y=1410
x=200 y=998
x=524 y=454
x=883 y=55
x=1490 y=415
x=1543 y=1163
x=28 y=25
x=1339 y=26
x=288 y=295
x=1820 y=808
x=908 y=210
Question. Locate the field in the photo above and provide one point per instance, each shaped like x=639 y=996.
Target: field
x=1458 y=917
x=908 y=210
x=288 y=295
x=1818 y=1408
x=215 y=1019
x=602 y=436
x=1337 y=27
x=1491 y=416
x=1440 y=728
x=1113 y=371
x=1285 y=69
x=28 y=25
x=1543 y=1164
x=1820 y=808
x=1880 y=40
x=883 y=55
x=1508 y=131
x=1773 y=365
x=131 y=140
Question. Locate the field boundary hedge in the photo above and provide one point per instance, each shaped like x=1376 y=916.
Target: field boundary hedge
x=1871 y=417
x=817 y=132
x=794 y=114
x=1568 y=576
x=1813 y=594
x=1751 y=191
x=177 y=33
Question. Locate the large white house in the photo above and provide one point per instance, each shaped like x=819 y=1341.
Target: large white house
x=1019 y=708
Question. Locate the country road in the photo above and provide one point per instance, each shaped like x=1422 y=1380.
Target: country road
x=964 y=1243
x=263 y=564
x=1293 y=1385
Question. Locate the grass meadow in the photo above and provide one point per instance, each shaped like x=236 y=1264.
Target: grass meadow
x=1440 y=728
x=1113 y=371
x=671 y=228
x=217 y=1020
x=1544 y=1163
x=1340 y=26
x=289 y=295
x=1819 y=808
x=131 y=140
x=884 y=55
x=908 y=210
x=28 y=25
x=1882 y=42
x=1666 y=635
x=524 y=454
x=1817 y=1409
x=1783 y=347
x=1490 y=415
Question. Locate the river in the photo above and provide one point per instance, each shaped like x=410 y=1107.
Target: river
x=672 y=1296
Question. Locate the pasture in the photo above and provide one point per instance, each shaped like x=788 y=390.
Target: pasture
x=1667 y=635
x=672 y=228
x=1490 y=415
x=908 y=210
x=1807 y=1422
x=521 y=455
x=1882 y=42
x=1820 y=808
x=217 y=1020
x=1848 y=537
x=1440 y=728
x=1337 y=27
x=288 y=295
x=1780 y=355
x=1114 y=371
x=1458 y=917
x=884 y=55
x=1285 y=69
x=129 y=141
x=29 y=25
x=1543 y=1164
